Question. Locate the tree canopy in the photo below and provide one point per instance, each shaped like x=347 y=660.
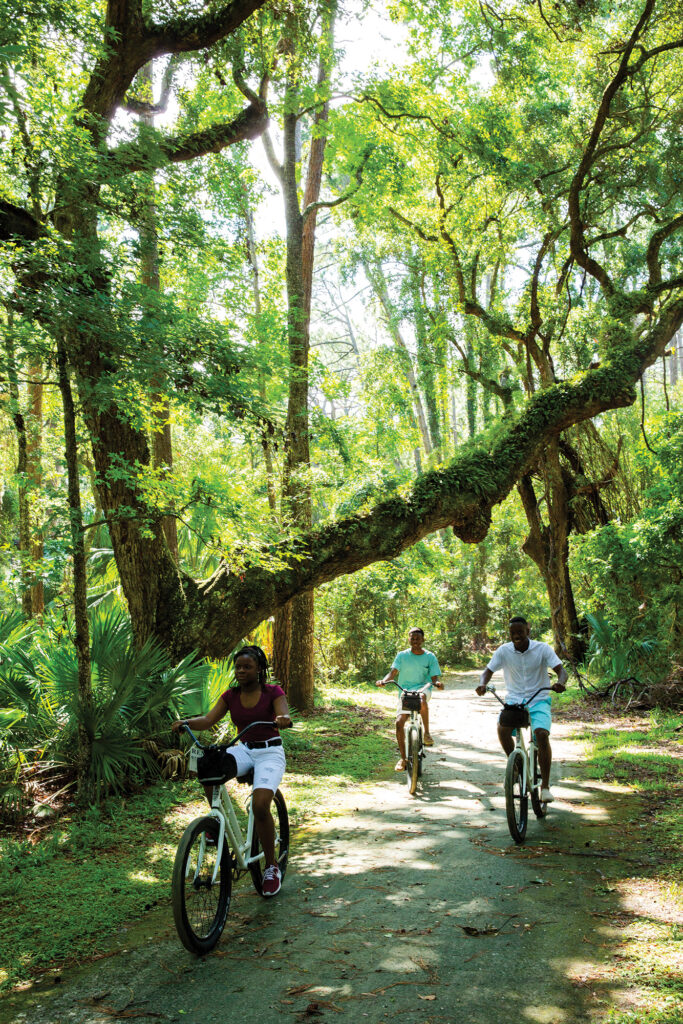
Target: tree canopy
x=520 y=168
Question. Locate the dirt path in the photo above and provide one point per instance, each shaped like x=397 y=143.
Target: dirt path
x=414 y=908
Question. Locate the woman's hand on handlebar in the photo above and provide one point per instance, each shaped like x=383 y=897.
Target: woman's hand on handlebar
x=558 y=687
x=438 y=684
x=283 y=722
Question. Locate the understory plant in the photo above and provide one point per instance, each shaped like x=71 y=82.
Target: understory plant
x=136 y=694
x=614 y=656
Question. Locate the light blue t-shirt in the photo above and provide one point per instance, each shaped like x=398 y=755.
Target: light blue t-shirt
x=415 y=670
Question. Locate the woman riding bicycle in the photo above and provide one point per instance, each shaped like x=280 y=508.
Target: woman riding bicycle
x=254 y=700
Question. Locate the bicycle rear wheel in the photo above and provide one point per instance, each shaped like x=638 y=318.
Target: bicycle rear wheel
x=281 y=818
x=540 y=806
x=413 y=763
x=516 y=801
x=200 y=905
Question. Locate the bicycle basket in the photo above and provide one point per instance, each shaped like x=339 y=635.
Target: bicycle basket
x=411 y=702
x=514 y=716
x=216 y=766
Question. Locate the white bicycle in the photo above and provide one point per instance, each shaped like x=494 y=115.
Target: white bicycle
x=522 y=773
x=213 y=851
x=413 y=731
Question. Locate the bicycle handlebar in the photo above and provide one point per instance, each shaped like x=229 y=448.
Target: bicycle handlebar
x=392 y=682
x=239 y=735
x=525 y=703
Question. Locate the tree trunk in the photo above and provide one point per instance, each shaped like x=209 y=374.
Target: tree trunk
x=426 y=365
x=162 y=441
x=34 y=472
x=22 y=474
x=300 y=258
x=375 y=276
x=548 y=547
x=85 y=791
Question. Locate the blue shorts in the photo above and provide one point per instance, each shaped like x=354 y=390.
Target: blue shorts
x=539 y=714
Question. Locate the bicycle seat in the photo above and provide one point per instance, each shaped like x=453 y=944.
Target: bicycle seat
x=248 y=778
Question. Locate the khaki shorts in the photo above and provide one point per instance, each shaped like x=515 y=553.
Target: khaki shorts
x=426 y=696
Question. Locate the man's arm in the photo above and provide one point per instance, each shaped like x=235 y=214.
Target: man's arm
x=483 y=681
x=389 y=677
x=561 y=685
x=437 y=683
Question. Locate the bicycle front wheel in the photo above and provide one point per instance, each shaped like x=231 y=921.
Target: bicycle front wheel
x=540 y=806
x=281 y=818
x=516 y=801
x=200 y=904
x=413 y=758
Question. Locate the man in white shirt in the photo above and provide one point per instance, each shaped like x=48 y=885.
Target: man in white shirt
x=525 y=665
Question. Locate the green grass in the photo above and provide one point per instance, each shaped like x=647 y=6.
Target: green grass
x=646 y=757
x=64 y=896
x=644 y=754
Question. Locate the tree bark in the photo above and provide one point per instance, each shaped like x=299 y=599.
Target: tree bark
x=34 y=472
x=548 y=547
x=162 y=440
x=85 y=790
x=375 y=276
x=22 y=471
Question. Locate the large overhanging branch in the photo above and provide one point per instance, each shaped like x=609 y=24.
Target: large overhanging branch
x=18 y=224
x=248 y=124
x=135 y=41
x=227 y=606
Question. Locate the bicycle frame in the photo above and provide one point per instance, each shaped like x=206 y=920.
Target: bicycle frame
x=520 y=742
x=415 y=716
x=224 y=813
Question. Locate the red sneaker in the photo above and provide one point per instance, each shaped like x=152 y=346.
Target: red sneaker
x=272 y=880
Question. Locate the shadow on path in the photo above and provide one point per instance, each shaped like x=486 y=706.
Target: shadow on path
x=418 y=909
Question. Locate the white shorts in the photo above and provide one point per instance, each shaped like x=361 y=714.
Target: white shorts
x=426 y=693
x=268 y=764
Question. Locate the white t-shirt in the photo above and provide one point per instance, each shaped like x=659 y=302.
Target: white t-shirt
x=524 y=672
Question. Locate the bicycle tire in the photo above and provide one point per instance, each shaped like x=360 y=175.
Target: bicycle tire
x=200 y=906
x=413 y=759
x=516 y=800
x=540 y=806
x=281 y=844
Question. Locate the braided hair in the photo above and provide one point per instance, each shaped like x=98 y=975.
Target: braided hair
x=258 y=655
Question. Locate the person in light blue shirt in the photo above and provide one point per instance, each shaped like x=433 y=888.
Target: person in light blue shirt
x=417 y=669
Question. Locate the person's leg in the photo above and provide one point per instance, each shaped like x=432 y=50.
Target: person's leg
x=424 y=711
x=401 y=740
x=261 y=800
x=506 y=738
x=541 y=722
x=545 y=756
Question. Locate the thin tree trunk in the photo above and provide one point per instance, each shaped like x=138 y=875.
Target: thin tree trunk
x=162 y=441
x=300 y=259
x=34 y=473
x=82 y=640
x=376 y=278
x=282 y=620
x=426 y=364
x=22 y=474
x=548 y=547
